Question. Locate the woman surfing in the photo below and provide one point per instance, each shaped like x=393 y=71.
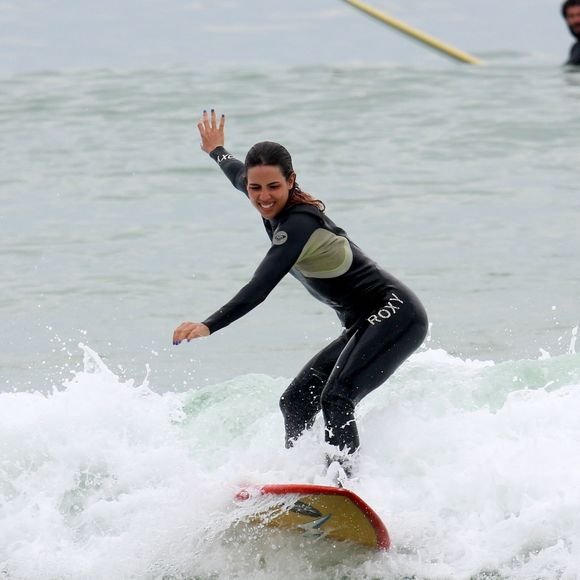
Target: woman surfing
x=383 y=321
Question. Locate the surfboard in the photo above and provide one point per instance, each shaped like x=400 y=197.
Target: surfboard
x=317 y=511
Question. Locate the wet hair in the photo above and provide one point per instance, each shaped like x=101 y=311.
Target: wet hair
x=569 y=4
x=270 y=153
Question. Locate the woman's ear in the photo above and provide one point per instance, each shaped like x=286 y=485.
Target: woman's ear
x=292 y=180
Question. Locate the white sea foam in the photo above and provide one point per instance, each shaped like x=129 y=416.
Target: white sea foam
x=471 y=465
x=462 y=181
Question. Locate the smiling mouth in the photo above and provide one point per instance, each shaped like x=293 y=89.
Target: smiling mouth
x=267 y=205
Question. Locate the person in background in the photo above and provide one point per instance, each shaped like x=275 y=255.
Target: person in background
x=571 y=13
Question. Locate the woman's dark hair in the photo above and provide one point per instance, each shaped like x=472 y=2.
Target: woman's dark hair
x=569 y=4
x=270 y=153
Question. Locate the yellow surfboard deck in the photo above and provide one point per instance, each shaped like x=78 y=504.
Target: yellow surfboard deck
x=318 y=511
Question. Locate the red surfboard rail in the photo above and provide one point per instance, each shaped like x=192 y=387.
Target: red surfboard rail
x=383 y=539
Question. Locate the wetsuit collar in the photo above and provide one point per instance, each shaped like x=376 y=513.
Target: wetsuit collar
x=276 y=219
x=297 y=207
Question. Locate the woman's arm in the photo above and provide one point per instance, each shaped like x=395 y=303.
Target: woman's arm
x=276 y=264
x=279 y=260
x=212 y=142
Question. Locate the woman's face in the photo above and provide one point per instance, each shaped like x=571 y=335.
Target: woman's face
x=268 y=189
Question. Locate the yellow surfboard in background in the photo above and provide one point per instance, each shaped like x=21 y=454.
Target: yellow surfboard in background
x=414 y=33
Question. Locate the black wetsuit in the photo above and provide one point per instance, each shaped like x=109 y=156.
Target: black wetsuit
x=574 y=58
x=384 y=322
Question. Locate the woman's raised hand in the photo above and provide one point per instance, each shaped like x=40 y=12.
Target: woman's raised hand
x=188 y=331
x=211 y=133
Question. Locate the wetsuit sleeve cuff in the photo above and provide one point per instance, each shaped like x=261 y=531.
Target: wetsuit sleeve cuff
x=219 y=151
x=211 y=325
x=233 y=169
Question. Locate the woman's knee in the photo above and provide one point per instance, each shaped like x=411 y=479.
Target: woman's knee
x=287 y=403
x=294 y=403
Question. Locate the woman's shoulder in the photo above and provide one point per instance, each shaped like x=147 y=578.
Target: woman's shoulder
x=300 y=215
x=309 y=215
x=300 y=209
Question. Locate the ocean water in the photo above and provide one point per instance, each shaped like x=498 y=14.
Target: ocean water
x=120 y=454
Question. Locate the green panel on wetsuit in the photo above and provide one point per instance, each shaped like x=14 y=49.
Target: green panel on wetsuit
x=325 y=255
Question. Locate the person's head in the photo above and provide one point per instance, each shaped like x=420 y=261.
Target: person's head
x=271 y=180
x=571 y=13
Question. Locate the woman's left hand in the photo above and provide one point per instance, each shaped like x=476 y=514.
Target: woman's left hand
x=210 y=132
x=188 y=331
